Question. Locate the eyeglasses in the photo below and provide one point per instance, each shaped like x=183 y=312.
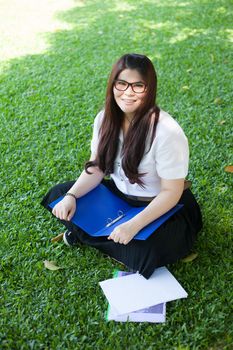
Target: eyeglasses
x=123 y=85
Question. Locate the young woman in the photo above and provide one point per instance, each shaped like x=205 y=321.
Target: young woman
x=145 y=152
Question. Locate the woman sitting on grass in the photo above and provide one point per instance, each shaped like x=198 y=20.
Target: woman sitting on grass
x=145 y=152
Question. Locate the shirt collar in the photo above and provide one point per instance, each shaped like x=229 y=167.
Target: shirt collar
x=121 y=137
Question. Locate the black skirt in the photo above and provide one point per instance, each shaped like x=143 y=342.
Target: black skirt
x=172 y=241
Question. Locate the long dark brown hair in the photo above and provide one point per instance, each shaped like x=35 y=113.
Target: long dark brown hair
x=135 y=139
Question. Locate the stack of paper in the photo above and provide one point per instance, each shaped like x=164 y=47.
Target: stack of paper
x=154 y=314
x=132 y=292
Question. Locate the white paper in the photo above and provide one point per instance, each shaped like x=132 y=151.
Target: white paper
x=134 y=292
x=153 y=314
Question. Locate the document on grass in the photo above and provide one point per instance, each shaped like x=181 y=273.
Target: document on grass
x=153 y=314
x=134 y=292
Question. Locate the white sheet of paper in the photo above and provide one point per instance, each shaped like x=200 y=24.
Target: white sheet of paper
x=134 y=292
x=153 y=314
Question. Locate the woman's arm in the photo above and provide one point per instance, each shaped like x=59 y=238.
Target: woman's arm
x=86 y=182
x=65 y=209
x=171 y=191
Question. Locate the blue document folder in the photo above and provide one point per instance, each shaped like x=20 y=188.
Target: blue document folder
x=100 y=211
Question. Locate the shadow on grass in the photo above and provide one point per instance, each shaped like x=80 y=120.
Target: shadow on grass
x=48 y=103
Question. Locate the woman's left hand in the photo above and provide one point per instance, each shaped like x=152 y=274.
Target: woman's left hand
x=123 y=233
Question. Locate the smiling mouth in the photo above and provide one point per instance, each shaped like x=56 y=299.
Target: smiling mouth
x=128 y=101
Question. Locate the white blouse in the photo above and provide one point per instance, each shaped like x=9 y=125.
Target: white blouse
x=167 y=158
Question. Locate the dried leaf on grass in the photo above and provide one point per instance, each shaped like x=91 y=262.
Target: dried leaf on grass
x=190 y=257
x=218 y=101
x=58 y=238
x=229 y=169
x=50 y=265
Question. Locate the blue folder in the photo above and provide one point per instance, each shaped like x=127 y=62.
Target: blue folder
x=100 y=211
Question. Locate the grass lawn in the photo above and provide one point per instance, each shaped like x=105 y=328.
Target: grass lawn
x=49 y=96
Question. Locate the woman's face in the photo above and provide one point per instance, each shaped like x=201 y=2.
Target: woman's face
x=130 y=99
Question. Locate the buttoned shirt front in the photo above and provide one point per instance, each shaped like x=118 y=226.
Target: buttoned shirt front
x=167 y=157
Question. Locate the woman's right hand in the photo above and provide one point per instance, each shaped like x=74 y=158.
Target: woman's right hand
x=65 y=209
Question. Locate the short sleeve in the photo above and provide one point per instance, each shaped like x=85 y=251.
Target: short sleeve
x=172 y=156
x=95 y=135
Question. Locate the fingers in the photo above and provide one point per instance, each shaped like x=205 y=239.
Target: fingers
x=71 y=214
x=65 y=209
x=117 y=238
x=60 y=213
x=63 y=215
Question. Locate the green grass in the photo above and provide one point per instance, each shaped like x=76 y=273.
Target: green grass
x=48 y=101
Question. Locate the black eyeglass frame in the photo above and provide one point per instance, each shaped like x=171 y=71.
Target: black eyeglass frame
x=130 y=84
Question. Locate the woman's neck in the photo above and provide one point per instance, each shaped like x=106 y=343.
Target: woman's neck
x=129 y=117
x=126 y=123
